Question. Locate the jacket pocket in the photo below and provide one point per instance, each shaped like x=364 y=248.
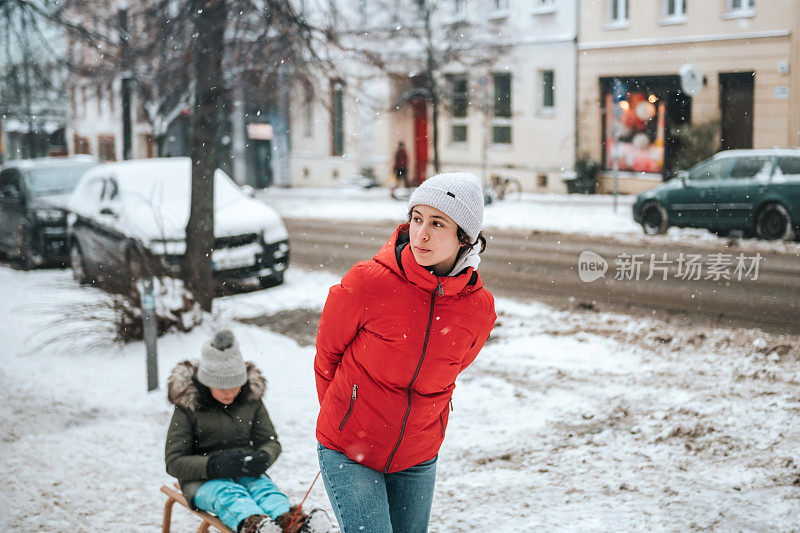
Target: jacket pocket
x=441 y=416
x=350 y=408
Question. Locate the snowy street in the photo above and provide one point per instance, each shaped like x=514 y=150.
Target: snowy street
x=567 y=420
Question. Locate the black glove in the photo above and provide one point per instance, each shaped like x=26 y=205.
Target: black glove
x=258 y=463
x=225 y=463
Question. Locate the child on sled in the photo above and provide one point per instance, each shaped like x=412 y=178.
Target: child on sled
x=221 y=442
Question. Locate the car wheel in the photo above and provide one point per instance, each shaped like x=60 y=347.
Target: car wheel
x=271 y=280
x=654 y=218
x=774 y=223
x=78 y=264
x=25 y=252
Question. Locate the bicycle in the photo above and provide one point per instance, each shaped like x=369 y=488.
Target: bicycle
x=502 y=188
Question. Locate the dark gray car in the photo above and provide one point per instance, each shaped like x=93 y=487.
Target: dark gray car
x=33 y=196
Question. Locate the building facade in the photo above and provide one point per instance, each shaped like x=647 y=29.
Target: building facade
x=740 y=55
x=505 y=82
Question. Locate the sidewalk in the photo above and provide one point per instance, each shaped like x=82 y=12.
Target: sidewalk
x=574 y=213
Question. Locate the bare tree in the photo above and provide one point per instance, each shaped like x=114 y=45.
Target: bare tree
x=208 y=50
x=430 y=39
x=188 y=54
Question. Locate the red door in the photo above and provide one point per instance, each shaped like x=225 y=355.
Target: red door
x=420 y=139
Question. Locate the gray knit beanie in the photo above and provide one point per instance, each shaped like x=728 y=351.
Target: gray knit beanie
x=456 y=194
x=222 y=366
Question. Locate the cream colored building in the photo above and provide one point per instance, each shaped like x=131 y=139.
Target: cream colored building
x=747 y=54
x=510 y=114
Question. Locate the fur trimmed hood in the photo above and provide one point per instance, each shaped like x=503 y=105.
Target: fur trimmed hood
x=183 y=389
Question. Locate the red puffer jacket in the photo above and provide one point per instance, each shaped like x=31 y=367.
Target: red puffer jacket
x=391 y=341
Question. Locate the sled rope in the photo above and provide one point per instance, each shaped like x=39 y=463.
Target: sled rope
x=299 y=507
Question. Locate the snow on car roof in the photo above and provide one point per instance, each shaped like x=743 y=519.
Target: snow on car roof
x=172 y=175
x=758 y=152
x=42 y=162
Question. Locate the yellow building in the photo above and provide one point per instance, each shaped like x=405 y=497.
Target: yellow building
x=740 y=61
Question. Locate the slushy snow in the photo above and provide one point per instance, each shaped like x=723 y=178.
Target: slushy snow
x=575 y=421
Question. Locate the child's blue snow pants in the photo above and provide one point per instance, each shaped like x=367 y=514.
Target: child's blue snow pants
x=234 y=499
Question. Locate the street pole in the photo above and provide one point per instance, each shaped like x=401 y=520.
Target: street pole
x=150 y=332
x=618 y=91
x=484 y=82
x=124 y=36
x=617 y=115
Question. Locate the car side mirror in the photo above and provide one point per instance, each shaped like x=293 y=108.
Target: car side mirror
x=12 y=195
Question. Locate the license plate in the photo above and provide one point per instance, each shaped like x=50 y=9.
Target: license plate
x=228 y=263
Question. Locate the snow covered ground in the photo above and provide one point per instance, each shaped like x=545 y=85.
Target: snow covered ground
x=574 y=213
x=577 y=421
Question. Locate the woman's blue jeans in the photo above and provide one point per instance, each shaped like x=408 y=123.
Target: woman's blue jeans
x=234 y=499
x=367 y=501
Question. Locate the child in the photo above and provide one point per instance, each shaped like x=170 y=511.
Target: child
x=221 y=441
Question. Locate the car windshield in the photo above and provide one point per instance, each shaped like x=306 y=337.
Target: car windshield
x=56 y=179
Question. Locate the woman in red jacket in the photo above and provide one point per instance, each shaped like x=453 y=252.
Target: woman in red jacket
x=393 y=336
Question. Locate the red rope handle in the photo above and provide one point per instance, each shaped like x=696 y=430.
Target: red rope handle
x=299 y=507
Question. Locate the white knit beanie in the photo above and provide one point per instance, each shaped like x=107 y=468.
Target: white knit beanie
x=222 y=366
x=456 y=194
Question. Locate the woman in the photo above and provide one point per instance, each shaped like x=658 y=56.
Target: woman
x=393 y=336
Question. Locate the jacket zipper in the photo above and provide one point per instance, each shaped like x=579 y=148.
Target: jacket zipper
x=349 y=409
x=441 y=417
x=440 y=290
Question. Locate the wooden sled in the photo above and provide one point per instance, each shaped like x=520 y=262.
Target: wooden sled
x=209 y=520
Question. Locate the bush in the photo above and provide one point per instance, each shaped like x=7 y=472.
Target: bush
x=696 y=143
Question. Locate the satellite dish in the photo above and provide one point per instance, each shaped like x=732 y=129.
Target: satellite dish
x=691 y=79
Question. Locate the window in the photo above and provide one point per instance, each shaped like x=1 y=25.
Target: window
x=501 y=134
x=500 y=5
x=544 y=6
x=617 y=12
x=502 y=95
x=547 y=83
x=501 y=124
x=789 y=166
x=80 y=144
x=337 y=118
x=739 y=8
x=741 y=5
x=106 y=149
x=674 y=9
x=713 y=170
x=750 y=167
x=9 y=185
x=459 y=88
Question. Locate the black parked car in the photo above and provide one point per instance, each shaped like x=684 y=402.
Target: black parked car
x=33 y=196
